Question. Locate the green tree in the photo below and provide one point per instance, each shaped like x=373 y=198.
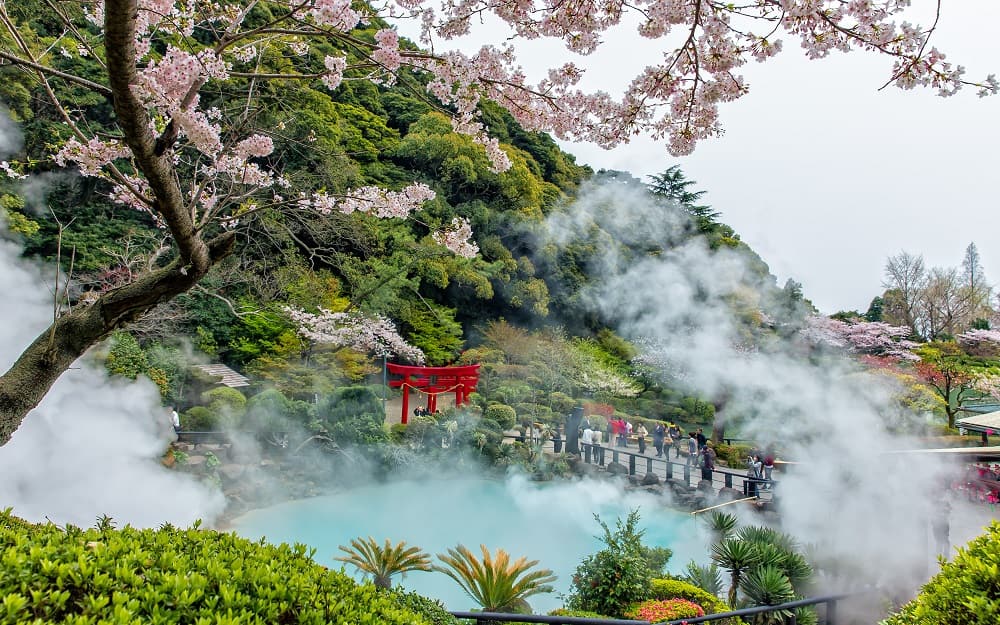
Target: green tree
x=947 y=369
x=615 y=577
x=384 y=561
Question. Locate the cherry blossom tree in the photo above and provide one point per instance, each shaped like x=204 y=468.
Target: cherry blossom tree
x=871 y=338
x=199 y=168
x=368 y=334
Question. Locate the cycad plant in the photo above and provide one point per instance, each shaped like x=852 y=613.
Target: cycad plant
x=495 y=582
x=384 y=561
x=738 y=557
x=768 y=585
x=706 y=577
x=721 y=525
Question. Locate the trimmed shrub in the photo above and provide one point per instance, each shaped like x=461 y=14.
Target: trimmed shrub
x=502 y=414
x=227 y=406
x=561 y=403
x=198 y=419
x=662 y=589
x=170 y=575
x=964 y=592
x=734 y=456
x=659 y=610
x=431 y=609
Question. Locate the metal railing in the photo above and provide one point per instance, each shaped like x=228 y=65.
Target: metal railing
x=597 y=454
x=829 y=617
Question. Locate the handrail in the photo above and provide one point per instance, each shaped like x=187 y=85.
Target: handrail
x=829 y=600
x=544 y=618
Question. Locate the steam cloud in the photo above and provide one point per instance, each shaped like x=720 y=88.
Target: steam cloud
x=93 y=446
x=858 y=505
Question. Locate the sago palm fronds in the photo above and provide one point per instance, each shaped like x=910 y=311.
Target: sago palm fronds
x=737 y=557
x=767 y=585
x=384 y=561
x=707 y=577
x=495 y=583
x=721 y=525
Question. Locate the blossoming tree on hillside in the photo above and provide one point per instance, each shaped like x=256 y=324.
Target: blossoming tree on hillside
x=182 y=80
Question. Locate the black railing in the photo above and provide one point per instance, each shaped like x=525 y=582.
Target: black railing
x=828 y=618
x=599 y=455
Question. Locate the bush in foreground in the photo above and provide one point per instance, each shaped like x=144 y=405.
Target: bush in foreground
x=657 y=611
x=965 y=592
x=167 y=576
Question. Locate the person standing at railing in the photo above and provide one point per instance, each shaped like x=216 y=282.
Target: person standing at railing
x=692 y=449
x=674 y=433
x=659 y=437
x=707 y=462
x=768 y=468
x=641 y=433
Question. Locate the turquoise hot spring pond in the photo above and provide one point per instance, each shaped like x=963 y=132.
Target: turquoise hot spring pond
x=551 y=522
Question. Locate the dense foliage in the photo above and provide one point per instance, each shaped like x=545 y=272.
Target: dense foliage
x=170 y=575
x=657 y=610
x=610 y=581
x=965 y=592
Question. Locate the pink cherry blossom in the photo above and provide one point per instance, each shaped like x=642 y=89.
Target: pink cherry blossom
x=373 y=334
x=458 y=238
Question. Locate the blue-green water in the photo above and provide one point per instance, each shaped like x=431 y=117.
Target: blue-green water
x=549 y=522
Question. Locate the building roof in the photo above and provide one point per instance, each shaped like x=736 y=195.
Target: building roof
x=988 y=422
x=229 y=377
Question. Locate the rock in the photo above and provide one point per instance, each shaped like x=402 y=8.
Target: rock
x=729 y=494
x=650 y=479
x=232 y=471
x=705 y=486
x=616 y=468
x=195 y=461
x=267 y=462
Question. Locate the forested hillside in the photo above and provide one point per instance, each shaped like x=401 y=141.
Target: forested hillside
x=518 y=291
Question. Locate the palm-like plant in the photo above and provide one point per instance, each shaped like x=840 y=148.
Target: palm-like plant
x=721 y=525
x=384 y=561
x=707 y=577
x=737 y=557
x=495 y=583
x=768 y=585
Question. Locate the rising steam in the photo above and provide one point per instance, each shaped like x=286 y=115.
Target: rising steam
x=861 y=506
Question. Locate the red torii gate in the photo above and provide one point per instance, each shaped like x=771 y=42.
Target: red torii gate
x=461 y=380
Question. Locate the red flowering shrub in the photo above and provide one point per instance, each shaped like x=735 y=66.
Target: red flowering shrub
x=657 y=611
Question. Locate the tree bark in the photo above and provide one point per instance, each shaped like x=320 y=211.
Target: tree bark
x=24 y=385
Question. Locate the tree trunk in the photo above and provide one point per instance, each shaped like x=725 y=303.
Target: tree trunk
x=719 y=419
x=24 y=385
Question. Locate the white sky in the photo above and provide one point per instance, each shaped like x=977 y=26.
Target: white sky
x=824 y=175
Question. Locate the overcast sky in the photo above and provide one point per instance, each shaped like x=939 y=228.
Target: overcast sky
x=824 y=175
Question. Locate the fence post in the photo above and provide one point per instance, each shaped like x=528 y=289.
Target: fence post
x=614 y=455
x=670 y=470
x=831 y=612
x=649 y=465
x=600 y=456
x=687 y=474
x=729 y=480
x=631 y=464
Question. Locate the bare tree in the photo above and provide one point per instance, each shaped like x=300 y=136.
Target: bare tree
x=974 y=278
x=905 y=278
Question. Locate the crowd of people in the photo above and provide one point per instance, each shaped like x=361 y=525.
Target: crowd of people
x=699 y=452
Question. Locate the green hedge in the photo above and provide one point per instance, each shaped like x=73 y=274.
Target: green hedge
x=173 y=576
x=675 y=589
x=965 y=592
